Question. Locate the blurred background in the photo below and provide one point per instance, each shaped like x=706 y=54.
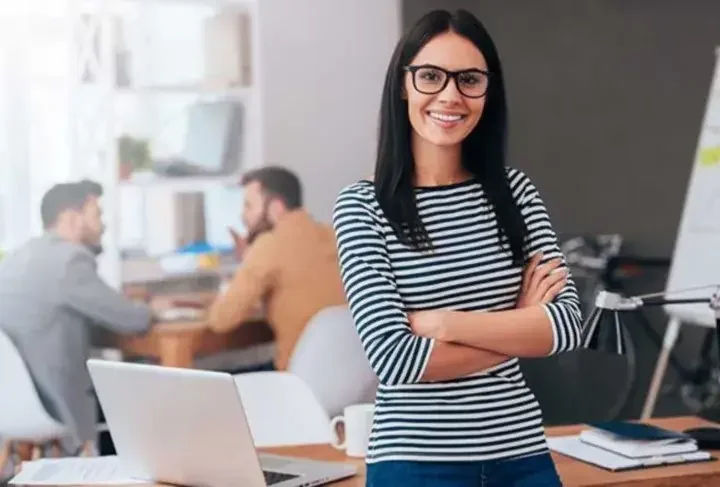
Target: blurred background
x=167 y=103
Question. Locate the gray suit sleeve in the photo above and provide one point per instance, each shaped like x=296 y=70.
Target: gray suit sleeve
x=84 y=291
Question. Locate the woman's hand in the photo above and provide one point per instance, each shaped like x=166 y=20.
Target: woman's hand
x=429 y=324
x=541 y=283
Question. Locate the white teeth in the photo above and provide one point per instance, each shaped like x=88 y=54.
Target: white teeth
x=445 y=118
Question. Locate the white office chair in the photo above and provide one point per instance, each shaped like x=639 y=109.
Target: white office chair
x=330 y=358
x=23 y=419
x=282 y=410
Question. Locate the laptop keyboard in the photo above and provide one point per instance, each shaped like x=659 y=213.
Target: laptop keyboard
x=277 y=477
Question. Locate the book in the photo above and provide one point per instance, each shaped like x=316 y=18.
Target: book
x=639 y=431
x=572 y=446
x=637 y=440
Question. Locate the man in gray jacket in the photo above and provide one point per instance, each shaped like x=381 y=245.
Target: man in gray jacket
x=51 y=295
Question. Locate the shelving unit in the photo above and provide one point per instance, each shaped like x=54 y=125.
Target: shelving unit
x=202 y=92
x=181 y=184
x=98 y=100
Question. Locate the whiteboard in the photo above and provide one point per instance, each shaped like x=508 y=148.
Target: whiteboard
x=696 y=257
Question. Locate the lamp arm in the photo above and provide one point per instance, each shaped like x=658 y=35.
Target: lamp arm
x=663 y=302
x=614 y=301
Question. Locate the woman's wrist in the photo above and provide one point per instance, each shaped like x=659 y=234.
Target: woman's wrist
x=448 y=330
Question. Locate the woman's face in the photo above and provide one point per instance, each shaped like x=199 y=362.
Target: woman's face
x=447 y=117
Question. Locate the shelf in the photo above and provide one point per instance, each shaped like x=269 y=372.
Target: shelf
x=182 y=184
x=202 y=3
x=199 y=90
x=211 y=3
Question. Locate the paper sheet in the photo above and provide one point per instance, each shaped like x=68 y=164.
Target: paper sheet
x=74 y=471
x=573 y=447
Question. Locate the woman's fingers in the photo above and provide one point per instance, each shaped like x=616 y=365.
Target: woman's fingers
x=555 y=289
x=542 y=271
x=530 y=270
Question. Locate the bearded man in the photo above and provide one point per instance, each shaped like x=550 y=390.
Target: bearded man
x=288 y=264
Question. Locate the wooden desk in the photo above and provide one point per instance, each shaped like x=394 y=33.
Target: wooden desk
x=575 y=473
x=572 y=472
x=178 y=343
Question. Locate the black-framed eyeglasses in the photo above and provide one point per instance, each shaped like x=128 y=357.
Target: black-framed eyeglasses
x=430 y=80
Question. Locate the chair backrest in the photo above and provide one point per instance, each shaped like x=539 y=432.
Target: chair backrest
x=22 y=415
x=330 y=358
x=281 y=410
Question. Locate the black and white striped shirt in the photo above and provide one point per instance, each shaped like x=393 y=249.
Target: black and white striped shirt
x=490 y=414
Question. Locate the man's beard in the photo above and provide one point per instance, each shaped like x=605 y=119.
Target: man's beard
x=262 y=226
x=93 y=243
x=95 y=248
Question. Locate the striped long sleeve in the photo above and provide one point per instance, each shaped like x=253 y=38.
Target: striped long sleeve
x=396 y=354
x=564 y=311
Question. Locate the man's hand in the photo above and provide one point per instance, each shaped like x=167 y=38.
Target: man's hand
x=239 y=242
x=429 y=324
x=138 y=294
x=161 y=303
x=541 y=283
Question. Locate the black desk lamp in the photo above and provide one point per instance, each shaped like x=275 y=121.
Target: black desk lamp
x=602 y=331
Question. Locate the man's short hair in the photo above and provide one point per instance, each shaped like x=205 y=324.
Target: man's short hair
x=277 y=182
x=67 y=196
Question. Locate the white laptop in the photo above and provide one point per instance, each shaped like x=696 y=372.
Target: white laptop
x=188 y=427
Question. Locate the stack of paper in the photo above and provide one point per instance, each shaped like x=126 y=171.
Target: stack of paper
x=74 y=471
x=572 y=446
x=638 y=447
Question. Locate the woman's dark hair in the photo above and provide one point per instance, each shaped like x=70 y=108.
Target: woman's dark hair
x=483 y=151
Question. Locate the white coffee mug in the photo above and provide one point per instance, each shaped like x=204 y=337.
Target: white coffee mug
x=358 y=420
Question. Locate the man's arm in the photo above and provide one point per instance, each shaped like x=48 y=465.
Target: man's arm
x=84 y=291
x=250 y=284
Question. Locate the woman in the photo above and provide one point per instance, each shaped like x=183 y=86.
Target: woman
x=444 y=232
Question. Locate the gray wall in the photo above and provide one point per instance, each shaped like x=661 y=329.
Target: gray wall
x=606 y=102
x=322 y=82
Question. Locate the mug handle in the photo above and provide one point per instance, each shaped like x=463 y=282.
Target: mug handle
x=333 y=427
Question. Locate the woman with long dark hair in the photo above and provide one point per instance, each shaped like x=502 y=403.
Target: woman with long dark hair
x=452 y=271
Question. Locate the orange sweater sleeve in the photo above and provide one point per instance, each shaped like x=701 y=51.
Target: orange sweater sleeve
x=252 y=281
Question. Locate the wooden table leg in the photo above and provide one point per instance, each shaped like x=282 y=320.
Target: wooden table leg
x=175 y=351
x=24 y=450
x=4 y=455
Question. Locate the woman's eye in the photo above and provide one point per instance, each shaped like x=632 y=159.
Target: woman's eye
x=470 y=79
x=430 y=75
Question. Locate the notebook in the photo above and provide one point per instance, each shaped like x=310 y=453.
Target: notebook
x=639 y=431
x=637 y=440
x=573 y=447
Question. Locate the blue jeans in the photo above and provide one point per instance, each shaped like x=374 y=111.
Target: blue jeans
x=530 y=471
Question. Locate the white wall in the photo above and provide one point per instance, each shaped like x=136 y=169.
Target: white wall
x=324 y=64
